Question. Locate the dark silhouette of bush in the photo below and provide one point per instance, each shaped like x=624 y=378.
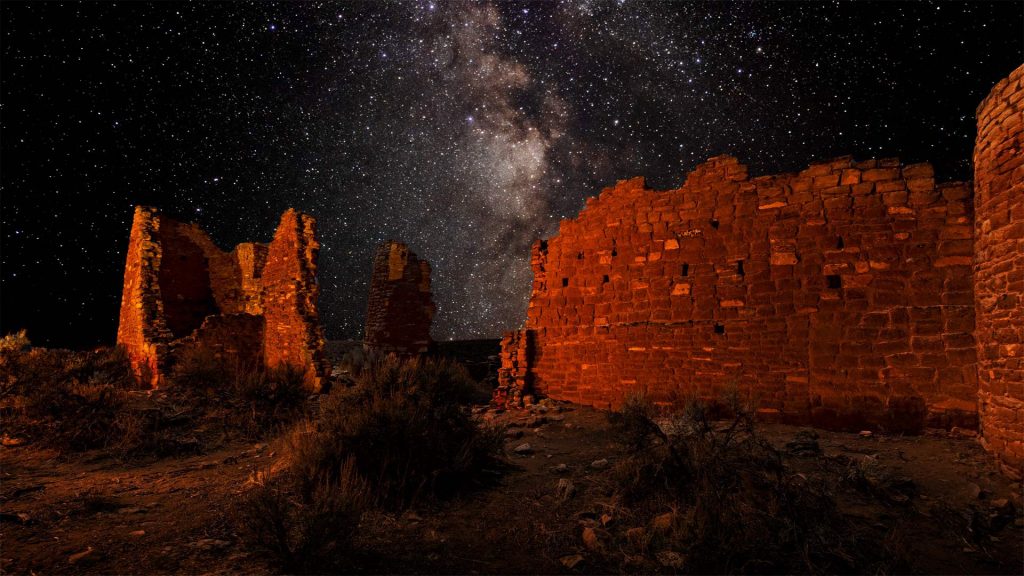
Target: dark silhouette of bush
x=737 y=508
x=407 y=428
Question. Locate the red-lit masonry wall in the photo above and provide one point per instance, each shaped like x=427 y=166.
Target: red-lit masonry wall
x=846 y=295
x=255 y=306
x=999 y=272
x=840 y=296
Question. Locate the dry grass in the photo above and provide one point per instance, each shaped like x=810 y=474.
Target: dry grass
x=408 y=428
x=70 y=401
x=401 y=434
x=75 y=401
x=733 y=505
x=305 y=524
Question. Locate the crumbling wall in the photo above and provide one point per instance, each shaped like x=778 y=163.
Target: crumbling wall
x=293 y=336
x=400 y=307
x=181 y=290
x=840 y=295
x=999 y=270
x=142 y=330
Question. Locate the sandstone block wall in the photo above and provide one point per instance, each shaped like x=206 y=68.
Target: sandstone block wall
x=255 y=305
x=999 y=270
x=400 y=307
x=839 y=296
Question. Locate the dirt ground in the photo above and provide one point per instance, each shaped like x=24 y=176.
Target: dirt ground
x=94 y=515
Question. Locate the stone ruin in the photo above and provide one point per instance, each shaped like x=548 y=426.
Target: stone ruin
x=400 y=307
x=850 y=294
x=255 y=307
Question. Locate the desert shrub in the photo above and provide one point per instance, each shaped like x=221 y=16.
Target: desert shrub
x=406 y=428
x=199 y=368
x=738 y=507
x=246 y=400
x=70 y=401
x=15 y=342
x=305 y=525
x=268 y=399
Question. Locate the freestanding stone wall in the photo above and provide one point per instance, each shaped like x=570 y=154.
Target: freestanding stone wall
x=839 y=296
x=400 y=307
x=999 y=270
x=254 y=306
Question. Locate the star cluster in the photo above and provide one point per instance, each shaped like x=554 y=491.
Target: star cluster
x=466 y=129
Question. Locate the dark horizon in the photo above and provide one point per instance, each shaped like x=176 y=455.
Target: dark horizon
x=463 y=130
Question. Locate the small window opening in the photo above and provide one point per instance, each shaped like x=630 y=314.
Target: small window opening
x=840 y=244
x=686 y=269
x=719 y=328
x=604 y=279
x=579 y=256
x=565 y=282
x=615 y=252
x=834 y=281
x=739 y=268
x=714 y=223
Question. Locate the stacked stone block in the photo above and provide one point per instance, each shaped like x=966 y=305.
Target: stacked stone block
x=290 y=295
x=840 y=295
x=514 y=377
x=254 y=306
x=400 y=306
x=999 y=270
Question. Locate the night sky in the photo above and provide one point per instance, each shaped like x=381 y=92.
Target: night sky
x=466 y=130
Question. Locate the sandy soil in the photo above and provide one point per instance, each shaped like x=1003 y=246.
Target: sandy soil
x=95 y=515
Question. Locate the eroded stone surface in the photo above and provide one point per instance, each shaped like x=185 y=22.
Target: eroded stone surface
x=255 y=306
x=839 y=296
x=999 y=270
x=849 y=294
x=400 y=307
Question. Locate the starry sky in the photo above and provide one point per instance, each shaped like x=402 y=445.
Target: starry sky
x=466 y=129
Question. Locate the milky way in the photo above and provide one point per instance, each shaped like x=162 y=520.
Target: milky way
x=466 y=130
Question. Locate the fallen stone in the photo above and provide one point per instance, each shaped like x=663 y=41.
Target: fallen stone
x=957 y=432
x=210 y=544
x=523 y=448
x=10 y=441
x=636 y=536
x=571 y=562
x=663 y=522
x=20 y=517
x=137 y=533
x=670 y=559
x=866 y=434
x=590 y=539
x=599 y=464
x=79 y=556
x=974 y=490
x=560 y=469
x=565 y=489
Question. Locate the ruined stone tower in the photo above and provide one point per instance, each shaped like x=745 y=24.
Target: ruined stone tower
x=849 y=294
x=254 y=307
x=400 y=306
x=999 y=269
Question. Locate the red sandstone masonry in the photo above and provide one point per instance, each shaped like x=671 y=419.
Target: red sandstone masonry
x=999 y=270
x=253 y=306
x=293 y=336
x=840 y=296
x=400 y=307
